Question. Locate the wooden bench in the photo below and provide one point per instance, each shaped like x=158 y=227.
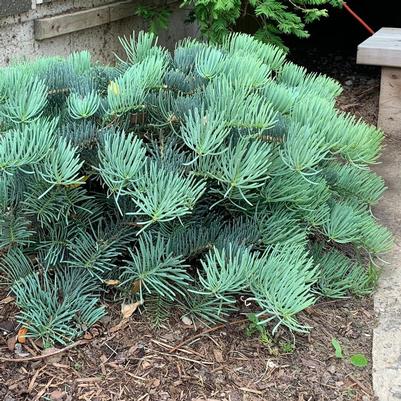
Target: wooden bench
x=384 y=49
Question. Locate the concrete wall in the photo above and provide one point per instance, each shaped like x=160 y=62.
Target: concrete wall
x=17 y=30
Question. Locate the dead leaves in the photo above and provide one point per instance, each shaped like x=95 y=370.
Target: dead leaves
x=21 y=336
x=8 y=326
x=50 y=355
x=14 y=342
x=136 y=286
x=218 y=355
x=7 y=300
x=128 y=309
x=11 y=343
x=57 y=395
x=186 y=320
x=111 y=283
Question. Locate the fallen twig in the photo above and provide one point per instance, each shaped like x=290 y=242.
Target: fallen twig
x=360 y=385
x=360 y=95
x=184 y=358
x=44 y=356
x=348 y=106
x=38 y=396
x=33 y=380
x=207 y=331
x=185 y=351
x=251 y=390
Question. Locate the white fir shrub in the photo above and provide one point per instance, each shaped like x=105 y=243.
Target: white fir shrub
x=185 y=179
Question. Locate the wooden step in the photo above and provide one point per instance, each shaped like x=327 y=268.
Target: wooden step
x=383 y=48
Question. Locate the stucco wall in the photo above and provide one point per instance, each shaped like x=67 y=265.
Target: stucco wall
x=17 y=30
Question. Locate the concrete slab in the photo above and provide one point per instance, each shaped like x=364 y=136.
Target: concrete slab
x=387 y=334
x=12 y=7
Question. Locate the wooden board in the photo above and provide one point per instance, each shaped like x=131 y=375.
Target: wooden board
x=389 y=119
x=383 y=48
x=123 y=10
x=50 y=27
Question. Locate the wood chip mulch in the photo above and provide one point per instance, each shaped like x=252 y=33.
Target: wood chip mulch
x=135 y=362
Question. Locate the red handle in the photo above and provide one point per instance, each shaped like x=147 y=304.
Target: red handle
x=358 y=18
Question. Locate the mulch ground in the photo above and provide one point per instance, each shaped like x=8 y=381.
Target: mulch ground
x=130 y=361
x=361 y=83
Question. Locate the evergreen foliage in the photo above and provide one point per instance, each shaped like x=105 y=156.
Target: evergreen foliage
x=189 y=179
x=270 y=20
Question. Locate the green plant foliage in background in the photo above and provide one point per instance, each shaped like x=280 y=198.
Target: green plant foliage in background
x=271 y=20
x=182 y=181
x=157 y=17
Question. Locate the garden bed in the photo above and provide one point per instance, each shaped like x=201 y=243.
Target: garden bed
x=132 y=361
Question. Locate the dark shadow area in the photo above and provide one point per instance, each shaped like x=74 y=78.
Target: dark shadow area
x=332 y=46
x=342 y=31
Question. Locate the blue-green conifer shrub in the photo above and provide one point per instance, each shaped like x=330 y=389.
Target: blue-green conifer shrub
x=183 y=180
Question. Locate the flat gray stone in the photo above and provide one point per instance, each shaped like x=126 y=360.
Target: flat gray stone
x=387 y=301
x=13 y=7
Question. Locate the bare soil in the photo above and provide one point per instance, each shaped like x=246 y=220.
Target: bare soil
x=132 y=361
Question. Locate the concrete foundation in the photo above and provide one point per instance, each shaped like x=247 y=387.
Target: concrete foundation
x=17 y=30
x=387 y=334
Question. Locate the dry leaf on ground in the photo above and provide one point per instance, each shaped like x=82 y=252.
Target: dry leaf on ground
x=128 y=309
x=21 y=336
x=111 y=283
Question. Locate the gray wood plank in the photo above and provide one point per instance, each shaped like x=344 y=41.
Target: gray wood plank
x=122 y=10
x=50 y=27
x=66 y=23
x=383 y=48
